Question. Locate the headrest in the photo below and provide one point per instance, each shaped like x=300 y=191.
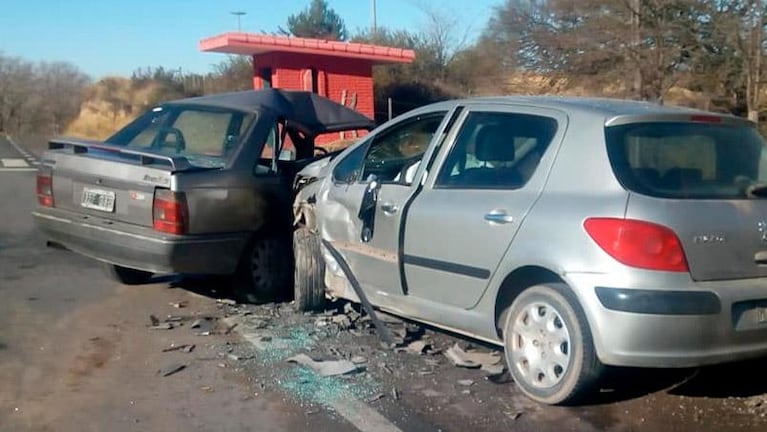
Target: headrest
x=495 y=143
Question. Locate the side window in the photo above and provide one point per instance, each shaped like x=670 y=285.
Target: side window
x=395 y=154
x=348 y=170
x=496 y=150
x=264 y=164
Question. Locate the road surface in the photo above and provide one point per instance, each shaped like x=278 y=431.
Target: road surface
x=77 y=354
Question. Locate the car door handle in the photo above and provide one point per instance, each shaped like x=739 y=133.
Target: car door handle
x=499 y=217
x=389 y=208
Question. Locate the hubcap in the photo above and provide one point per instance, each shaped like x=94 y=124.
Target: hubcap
x=540 y=345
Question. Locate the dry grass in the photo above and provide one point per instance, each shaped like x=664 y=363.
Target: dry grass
x=111 y=104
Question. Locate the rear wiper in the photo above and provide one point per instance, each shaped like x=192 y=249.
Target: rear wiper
x=757 y=190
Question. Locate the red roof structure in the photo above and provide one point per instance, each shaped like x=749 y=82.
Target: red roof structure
x=341 y=71
x=255 y=44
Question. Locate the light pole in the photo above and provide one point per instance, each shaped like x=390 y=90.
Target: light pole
x=373 y=16
x=238 y=14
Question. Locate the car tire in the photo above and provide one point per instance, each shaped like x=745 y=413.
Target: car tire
x=126 y=275
x=265 y=269
x=548 y=345
x=309 y=276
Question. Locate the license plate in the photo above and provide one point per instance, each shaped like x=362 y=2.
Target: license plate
x=98 y=199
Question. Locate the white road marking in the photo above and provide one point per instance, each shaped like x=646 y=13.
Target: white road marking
x=17 y=169
x=14 y=163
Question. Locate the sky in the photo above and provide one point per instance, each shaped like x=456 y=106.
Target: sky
x=116 y=37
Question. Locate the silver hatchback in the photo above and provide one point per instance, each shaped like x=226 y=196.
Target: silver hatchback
x=575 y=233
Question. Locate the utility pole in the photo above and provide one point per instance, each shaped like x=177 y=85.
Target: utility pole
x=238 y=14
x=373 y=17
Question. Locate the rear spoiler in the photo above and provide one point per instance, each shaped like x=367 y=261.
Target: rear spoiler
x=177 y=163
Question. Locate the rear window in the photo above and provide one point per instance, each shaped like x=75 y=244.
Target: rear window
x=205 y=136
x=688 y=160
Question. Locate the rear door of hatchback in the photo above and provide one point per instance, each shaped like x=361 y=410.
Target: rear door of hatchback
x=705 y=178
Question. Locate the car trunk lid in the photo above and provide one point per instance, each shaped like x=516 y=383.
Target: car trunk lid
x=110 y=182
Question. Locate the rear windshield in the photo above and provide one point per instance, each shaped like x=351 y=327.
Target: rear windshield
x=688 y=160
x=204 y=136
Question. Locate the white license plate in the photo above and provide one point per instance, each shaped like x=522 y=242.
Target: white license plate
x=98 y=199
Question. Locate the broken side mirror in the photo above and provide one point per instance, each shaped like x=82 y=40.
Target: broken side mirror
x=368 y=205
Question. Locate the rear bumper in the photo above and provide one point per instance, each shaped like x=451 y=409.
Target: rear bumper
x=677 y=323
x=139 y=247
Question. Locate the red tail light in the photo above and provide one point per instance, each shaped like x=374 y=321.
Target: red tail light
x=170 y=212
x=45 y=189
x=638 y=244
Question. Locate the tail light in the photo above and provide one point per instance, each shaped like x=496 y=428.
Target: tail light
x=638 y=244
x=45 y=189
x=170 y=212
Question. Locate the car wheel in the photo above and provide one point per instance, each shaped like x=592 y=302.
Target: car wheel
x=309 y=276
x=265 y=269
x=548 y=345
x=127 y=276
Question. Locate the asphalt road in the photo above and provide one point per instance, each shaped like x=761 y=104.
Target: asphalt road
x=76 y=354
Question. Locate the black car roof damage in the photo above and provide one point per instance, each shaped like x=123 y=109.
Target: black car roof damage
x=308 y=112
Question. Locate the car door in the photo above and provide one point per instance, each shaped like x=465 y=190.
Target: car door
x=463 y=221
x=387 y=165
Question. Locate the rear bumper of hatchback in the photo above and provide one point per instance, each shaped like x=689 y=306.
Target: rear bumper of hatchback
x=140 y=247
x=683 y=324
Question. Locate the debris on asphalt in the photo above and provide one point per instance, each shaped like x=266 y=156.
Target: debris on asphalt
x=235 y=357
x=187 y=348
x=376 y=397
x=415 y=347
x=174 y=318
x=228 y=302
x=162 y=326
x=501 y=378
x=394 y=393
x=196 y=324
x=514 y=415
x=325 y=368
x=459 y=358
x=494 y=369
x=466 y=382
x=473 y=359
x=154 y=320
x=179 y=305
x=230 y=328
x=171 y=369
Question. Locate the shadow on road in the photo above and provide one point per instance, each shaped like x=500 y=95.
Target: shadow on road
x=217 y=287
x=743 y=379
x=621 y=384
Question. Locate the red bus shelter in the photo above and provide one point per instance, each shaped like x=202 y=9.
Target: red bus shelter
x=341 y=71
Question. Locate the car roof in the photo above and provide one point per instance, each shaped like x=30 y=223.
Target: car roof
x=614 y=111
x=309 y=112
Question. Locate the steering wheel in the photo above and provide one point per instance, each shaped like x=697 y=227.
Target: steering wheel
x=322 y=150
x=162 y=136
